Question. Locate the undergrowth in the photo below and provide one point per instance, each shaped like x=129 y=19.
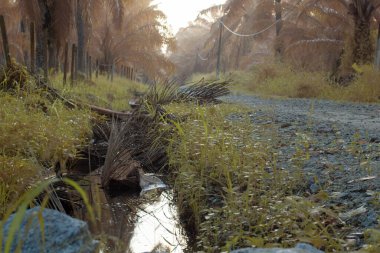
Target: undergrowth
x=231 y=191
x=271 y=79
x=37 y=132
x=101 y=91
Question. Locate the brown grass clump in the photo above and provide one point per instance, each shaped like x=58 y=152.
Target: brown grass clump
x=15 y=77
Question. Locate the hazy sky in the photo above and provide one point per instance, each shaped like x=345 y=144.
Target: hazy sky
x=181 y=12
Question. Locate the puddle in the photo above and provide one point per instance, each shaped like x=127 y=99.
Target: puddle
x=142 y=223
x=157 y=224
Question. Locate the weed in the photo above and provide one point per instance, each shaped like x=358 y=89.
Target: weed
x=36 y=133
x=101 y=92
x=230 y=191
x=271 y=79
x=25 y=201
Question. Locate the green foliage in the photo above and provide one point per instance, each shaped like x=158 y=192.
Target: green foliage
x=15 y=174
x=231 y=190
x=270 y=79
x=102 y=92
x=32 y=127
x=25 y=200
x=37 y=132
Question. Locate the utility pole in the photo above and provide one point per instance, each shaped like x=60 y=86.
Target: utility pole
x=219 y=48
x=195 y=69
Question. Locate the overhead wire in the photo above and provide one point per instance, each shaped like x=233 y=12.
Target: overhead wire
x=202 y=58
x=259 y=32
x=252 y=34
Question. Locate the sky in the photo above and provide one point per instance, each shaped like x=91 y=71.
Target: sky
x=181 y=12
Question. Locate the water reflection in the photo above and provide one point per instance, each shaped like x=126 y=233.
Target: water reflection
x=147 y=223
x=157 y=224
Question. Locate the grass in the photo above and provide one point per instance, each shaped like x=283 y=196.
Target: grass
x=101 y=91
x=12 y=242
x=231 y=192
x=36 y=133
x=281 y=80
x=229 y=187
x=39 y=131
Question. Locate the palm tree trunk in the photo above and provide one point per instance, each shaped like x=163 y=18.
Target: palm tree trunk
x=41 y=42
x=278 y=49
x=81 y=36
x=362 y=48
x=52 y=55
x=41 y=36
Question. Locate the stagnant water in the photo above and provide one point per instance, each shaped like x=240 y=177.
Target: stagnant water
x=141 y=223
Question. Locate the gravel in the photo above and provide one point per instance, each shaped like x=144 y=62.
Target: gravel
x=340 y=143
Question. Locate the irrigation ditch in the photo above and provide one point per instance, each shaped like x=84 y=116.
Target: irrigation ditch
x=124 y=169
x=168 y=173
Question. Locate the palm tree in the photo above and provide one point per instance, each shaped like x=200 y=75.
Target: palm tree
x=362 y=12
x=134 y=39
x=53 y=21
x=362 y=16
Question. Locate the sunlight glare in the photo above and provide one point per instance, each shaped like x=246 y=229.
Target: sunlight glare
x=181 y=12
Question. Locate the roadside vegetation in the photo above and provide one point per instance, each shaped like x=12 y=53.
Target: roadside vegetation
x=39 y=132
x=101 y=91
x=281 y=80
x=231 y=192
x=36 y=133
x=228 y=185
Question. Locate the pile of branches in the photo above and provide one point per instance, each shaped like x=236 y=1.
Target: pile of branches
x=133 y=143
x=139 y=141
x=127 y=141
x=119 y=164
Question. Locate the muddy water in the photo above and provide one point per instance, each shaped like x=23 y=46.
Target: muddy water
x=147 y=223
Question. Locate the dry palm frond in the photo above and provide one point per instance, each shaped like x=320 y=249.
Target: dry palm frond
x=204 y=91
x=134 y=143
x=119 y=164
x=200 y=92
x=162 y=93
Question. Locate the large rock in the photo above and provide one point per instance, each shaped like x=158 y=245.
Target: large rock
x=61 y=233
x=300 y=248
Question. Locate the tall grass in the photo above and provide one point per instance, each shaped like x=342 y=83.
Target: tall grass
x=230 y=190
x=37 y=132
x=18 y=209
x=101 y=91
x=271 y=79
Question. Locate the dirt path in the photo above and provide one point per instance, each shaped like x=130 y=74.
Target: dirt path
x=340 y=150
x=365 y=117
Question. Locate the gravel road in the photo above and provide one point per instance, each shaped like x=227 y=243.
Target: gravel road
x=341 y=143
